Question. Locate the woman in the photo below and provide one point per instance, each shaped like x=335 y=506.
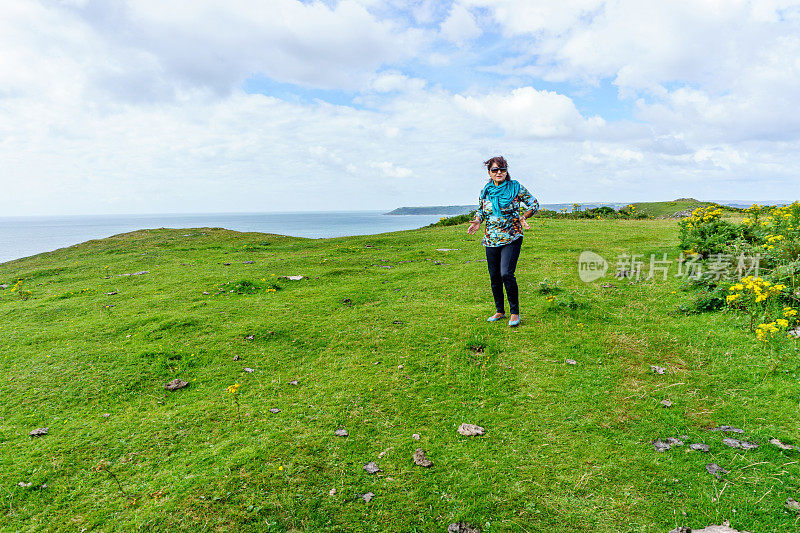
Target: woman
x=499 y=205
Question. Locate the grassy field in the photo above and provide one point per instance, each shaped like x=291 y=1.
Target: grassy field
x=386 y=337
x=668 y=209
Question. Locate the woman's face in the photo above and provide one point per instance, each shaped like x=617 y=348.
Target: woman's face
x=497 y=173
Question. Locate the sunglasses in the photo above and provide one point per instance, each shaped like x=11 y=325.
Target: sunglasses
x=498 y=169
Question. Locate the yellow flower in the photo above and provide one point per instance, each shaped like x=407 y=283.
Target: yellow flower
x=789 y=312
x=782 y=322
x=280 y=468
x=233 y=389
x=550 y=298
x=731 y=297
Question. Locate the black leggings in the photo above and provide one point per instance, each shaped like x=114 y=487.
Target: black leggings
x=502 y=262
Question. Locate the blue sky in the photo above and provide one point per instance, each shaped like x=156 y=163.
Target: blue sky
x=205 y=105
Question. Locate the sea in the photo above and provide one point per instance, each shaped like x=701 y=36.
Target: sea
x=26 y=236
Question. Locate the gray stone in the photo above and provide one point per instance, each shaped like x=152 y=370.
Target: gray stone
x=38 y=432
x=274 y=410
x=367 y=497
x=415 y=436
x=666 y=403
x=728 y=428
x=661 y=446
x=236 y=357
x=372 y=468
x=781 y=445
x=248 y=262
x=176 y=384
x=470 y=430
x=658 y=369
x=725 y=528
x=681 y=529
x=672 y=441
x=447 y=249
x=250 y=337
x=341 y=433
x=715 y=470
x=293 y=278
x=24 y=485
x=747 y=445
x=462 y=527
x=106 y=415
x=699 y=447
x=3 y=285
x=112 y=293
x=794 y=332
x=571 y=362
x=249 y=370
x=733 y=443
x=294 y=382
x=792 y=504
x=420 y=459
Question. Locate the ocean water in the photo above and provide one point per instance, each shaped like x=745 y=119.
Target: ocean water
x=25 y=236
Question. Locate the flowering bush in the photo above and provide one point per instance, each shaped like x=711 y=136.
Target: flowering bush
x=705 y=233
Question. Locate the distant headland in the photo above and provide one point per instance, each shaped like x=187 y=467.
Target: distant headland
x=433 y=210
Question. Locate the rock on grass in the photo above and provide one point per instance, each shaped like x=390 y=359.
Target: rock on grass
x=462 y=527
x=715 y=470
x=38 y=432
x=176 y=384
x=470 y=430
x=420 y=459
x=372 y=468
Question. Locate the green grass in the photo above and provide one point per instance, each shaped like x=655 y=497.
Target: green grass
x=668 y=209
x=384 y=353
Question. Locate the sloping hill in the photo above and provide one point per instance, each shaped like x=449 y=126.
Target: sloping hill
x=384 y=336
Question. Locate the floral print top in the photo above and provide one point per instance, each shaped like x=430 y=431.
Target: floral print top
x=507 y=227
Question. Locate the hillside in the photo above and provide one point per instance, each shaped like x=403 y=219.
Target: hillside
x=433 y=210
x=385 y=337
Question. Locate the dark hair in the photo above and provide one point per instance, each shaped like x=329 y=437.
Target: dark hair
x=501 y=162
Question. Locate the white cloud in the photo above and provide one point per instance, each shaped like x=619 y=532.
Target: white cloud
x=460 y=25
x=529 y=113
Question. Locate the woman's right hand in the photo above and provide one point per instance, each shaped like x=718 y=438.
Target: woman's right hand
x=473 y=226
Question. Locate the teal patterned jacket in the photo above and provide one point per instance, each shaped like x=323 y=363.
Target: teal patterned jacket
x=507 y=227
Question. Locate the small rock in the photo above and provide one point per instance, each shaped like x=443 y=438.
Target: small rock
x=447 y=249
x=250 y=337
x=715 y=470
x=226 y=264
x=607 y=286
x=341 y=433
x=420 y=459
x=470 y=430
x=3 y=285
x=672 y=441
x=106 y=415
x=176 y=384
x=666 y=403
x=733 y=443
x=248 y=262
x=293 y=278
x=135 y=273
x=571 y=362
x=127 y=336
x=274 y=410
x=415 y=436
x=249 y=370
x=367 y=497
x=699 y=447
x=372 y=468
x=397 y=321
x=661 y=446
x=376 y=363
x=347 y=301
x=23 y=484
x=658 y=369
x=44 y=485
x=781 y=445
x=112 y=293
x=792 y=504
x=206 y=293
x=728 y=428
x=236 y=357
x=462 y=527
x=681 y=529
x=747 y=445
x=724 y=528
x=333 y=491
x=399 y=367
x=294 y=382
x=794 y=332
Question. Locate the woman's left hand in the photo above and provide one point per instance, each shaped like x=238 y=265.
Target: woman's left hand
x=525 y=224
